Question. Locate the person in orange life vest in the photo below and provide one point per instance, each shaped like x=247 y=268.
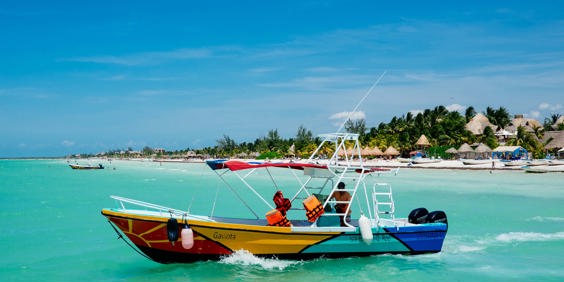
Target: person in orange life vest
x=342 y=207
x=282 y=204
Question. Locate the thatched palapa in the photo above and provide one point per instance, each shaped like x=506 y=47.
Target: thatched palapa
x=422 y=141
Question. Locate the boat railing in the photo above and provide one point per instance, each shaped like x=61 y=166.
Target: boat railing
x=162 y=209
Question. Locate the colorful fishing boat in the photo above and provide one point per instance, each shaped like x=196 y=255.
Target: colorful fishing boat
x=314 y=221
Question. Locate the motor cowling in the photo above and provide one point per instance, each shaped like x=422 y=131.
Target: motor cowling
x=437 y=216
x=418 y=216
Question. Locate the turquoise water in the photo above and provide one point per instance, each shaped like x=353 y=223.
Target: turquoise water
x=503 y=226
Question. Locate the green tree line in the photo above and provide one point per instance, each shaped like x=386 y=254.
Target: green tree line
x=443 y=129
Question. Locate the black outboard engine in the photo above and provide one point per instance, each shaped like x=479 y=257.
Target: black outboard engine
x=437 y=216
x=418 y=216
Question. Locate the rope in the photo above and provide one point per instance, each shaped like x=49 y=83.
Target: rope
x=120 y=236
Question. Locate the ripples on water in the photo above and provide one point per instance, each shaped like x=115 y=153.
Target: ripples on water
x=505 y=226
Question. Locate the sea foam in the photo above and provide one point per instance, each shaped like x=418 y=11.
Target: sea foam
x=547 y=219
x=245 y=258
x=529 y=237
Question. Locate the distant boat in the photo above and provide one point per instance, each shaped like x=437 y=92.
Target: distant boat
x=475 y=162
x=515 y=163
x=544 y=169
x=556 y=162
x=77 y=166
x=404 y=160
x=424 y=161
x=537 y=162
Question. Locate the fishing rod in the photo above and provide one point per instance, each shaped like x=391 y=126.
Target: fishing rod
x=361 y=100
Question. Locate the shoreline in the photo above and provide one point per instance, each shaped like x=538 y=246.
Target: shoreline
x=441 y=165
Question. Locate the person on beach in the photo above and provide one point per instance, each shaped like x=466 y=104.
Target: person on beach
x=342 y=207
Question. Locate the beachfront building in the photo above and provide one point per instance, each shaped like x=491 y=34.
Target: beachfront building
x=482 y=151
x=559 y=122
x=553 y=140
x=465 y=152
x=519 y=120
x=510 y=153
x=478 y=123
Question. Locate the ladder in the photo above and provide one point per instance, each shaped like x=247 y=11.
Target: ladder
x=383 y=201
x=344 y=177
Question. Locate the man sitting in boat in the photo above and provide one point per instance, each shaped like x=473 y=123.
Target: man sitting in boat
x=343 y=196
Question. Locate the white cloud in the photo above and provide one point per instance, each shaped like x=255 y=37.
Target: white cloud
x=546 y=106
x=416 y=112
x=455 y=108
x=535 y=114
x=543 y=106
x=67 y=143
x=349 y=115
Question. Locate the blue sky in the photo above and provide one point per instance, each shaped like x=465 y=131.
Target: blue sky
x=89 y=77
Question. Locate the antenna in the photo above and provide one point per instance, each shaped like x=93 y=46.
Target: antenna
x=361 y=100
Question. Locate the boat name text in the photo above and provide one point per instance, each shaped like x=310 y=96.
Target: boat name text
x=224 y=236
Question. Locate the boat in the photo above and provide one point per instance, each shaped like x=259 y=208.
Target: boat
x=476 y=162
x=555 y=162
x=306 y=225
x=514 y=163
x=404 y=160
x=543 y=169
x=537 y=162
x=424 y=160
x=78 y=166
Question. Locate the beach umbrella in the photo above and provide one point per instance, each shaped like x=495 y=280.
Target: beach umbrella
x=366 y=152
x=391 y=151
x=376 y=151
x=422 y=141
x=292 y=150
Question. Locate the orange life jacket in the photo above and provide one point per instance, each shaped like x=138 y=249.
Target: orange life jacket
x=275 y=218
x=313 y=208
x=282 y=204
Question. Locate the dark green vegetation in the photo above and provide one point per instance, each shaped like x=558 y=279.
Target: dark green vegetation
x=443 y=129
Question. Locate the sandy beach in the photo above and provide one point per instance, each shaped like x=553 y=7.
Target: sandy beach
x=374 y=163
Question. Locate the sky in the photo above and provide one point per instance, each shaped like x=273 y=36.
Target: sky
x=92 y=76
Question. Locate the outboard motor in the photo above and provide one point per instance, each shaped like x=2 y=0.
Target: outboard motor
x=172 y=230
x=437 y=216
x=418 y=216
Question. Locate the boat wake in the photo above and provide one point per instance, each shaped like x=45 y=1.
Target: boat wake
x=465 y=245
x=547 y=219
x=245 y=258
x=512 y=237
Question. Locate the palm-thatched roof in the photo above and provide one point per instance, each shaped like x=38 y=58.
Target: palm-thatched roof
x=465 y=148
x=366 y=151
x=292 y=150
x=422 y=141
x=391 y=151
x=376 y=151
x=483 y=148
x=452 y=150
x=555 y=139
x=558 y=121
x=478 y=123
